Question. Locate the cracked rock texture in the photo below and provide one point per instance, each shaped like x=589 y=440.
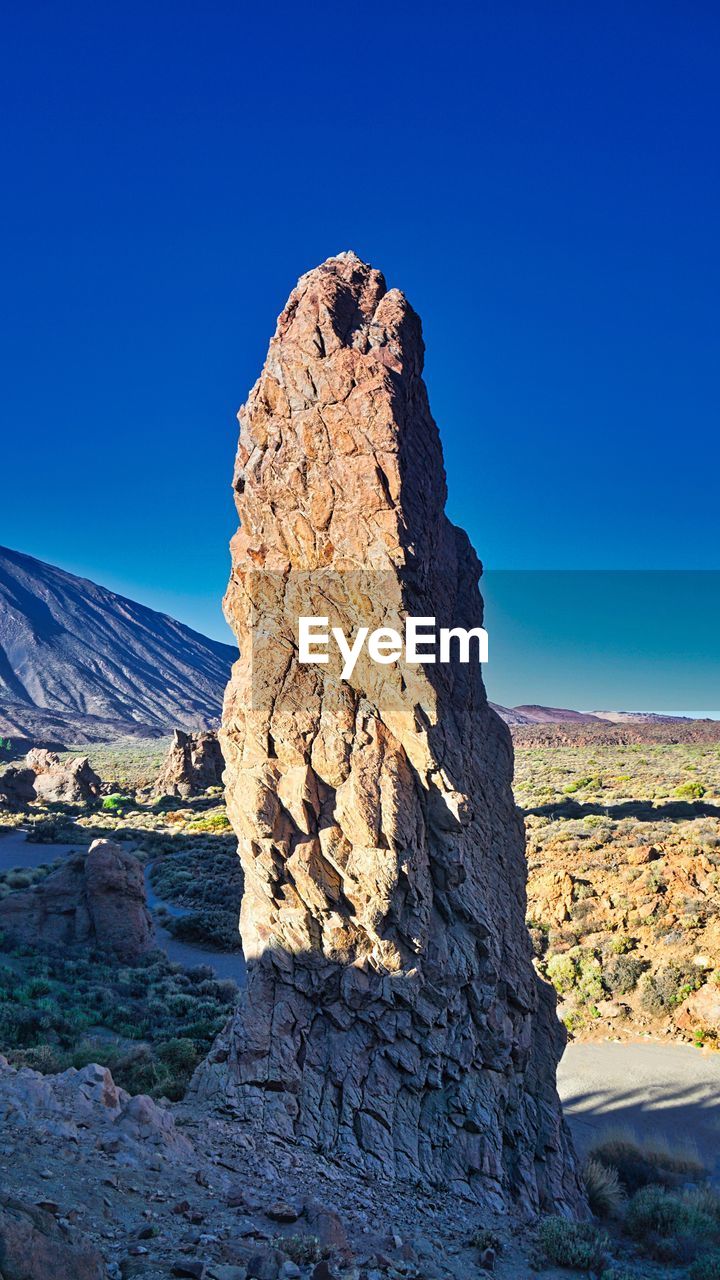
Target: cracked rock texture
x=392 y=1015
x=193 y=763
x=94 y=899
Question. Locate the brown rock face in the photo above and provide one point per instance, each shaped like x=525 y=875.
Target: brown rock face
x=392 y=1016
x=95 y=899
x=193 y=763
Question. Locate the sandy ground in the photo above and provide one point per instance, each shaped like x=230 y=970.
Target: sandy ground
x=653 y=1088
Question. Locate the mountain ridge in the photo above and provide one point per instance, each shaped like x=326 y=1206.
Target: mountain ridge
x=81 y=662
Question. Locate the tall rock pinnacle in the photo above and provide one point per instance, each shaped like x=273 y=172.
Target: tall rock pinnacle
x=392 y=1015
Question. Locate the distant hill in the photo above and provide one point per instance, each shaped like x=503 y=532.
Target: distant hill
x=559 y=727
x=531 y=714
x=79 y=663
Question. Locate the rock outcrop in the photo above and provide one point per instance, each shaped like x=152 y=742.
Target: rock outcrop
x=71 y=781
x=94 y=899
x=193 y=763
x=392 y=1015
x=17 y=788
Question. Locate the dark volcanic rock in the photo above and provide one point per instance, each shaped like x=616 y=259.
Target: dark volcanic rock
x=33 y=1247
x=193 y=763
x=393 y=1016
x=95 y=899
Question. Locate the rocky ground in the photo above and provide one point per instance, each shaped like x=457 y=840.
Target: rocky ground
x=175 y=1190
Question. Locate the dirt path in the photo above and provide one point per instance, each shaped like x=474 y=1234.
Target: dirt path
x=650 y=1087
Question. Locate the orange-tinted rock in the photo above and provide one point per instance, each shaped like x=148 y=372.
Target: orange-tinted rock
x=392 y=1017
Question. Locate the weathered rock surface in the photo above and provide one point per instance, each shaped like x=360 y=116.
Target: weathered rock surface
x=701 y=1010
x=193 y=763
x=17 y=788
x=392 y=1016
x=73 y=782
x=33 y=1247
x=95 y=898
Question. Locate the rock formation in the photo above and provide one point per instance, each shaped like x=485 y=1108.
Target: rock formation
x=17 y=788
x=392 y=1016
x=94 y=899
x=193 y=763
x=72 y=781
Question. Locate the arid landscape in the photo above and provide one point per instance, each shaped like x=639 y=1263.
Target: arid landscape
x=343 y=991
x=623 y=849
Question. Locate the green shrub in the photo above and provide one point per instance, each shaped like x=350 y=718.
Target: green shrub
x=115 y=803
x=562 y=971
x=563 y=1243
x=674 y=1226
x=690 y=791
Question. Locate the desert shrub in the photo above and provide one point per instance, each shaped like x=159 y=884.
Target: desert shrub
x=213 y=822
x=115 y=803
x=156 y=1021
x=623 y=973
x=303 y=1250
x=639 y=1164
x=622 y=944
x=674 y=1226
x=563 y=1243
x=602 y=1185
x=562 y=971
x=179 y=1053
x=690 y=791
x=666 y=988
x=55 y=830
x=589 y=980
x=18 y=879
x=485 y=1238
x=706 y=1267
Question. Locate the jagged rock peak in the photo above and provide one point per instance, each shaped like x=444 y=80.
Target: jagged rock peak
x=392 y=1015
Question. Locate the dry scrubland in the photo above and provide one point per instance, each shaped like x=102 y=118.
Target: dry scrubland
x=624 y=869
x=624 y=859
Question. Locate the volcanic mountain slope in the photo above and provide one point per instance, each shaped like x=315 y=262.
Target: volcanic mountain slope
x=80 y=663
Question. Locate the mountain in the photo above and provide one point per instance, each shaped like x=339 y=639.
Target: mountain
x=636 y=717
x=79 y=663
x=542 y=715
x=531 y=714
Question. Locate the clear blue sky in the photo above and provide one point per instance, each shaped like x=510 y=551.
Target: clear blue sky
x=541 y=179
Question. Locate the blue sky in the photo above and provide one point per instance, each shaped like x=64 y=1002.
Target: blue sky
x=541 y=180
